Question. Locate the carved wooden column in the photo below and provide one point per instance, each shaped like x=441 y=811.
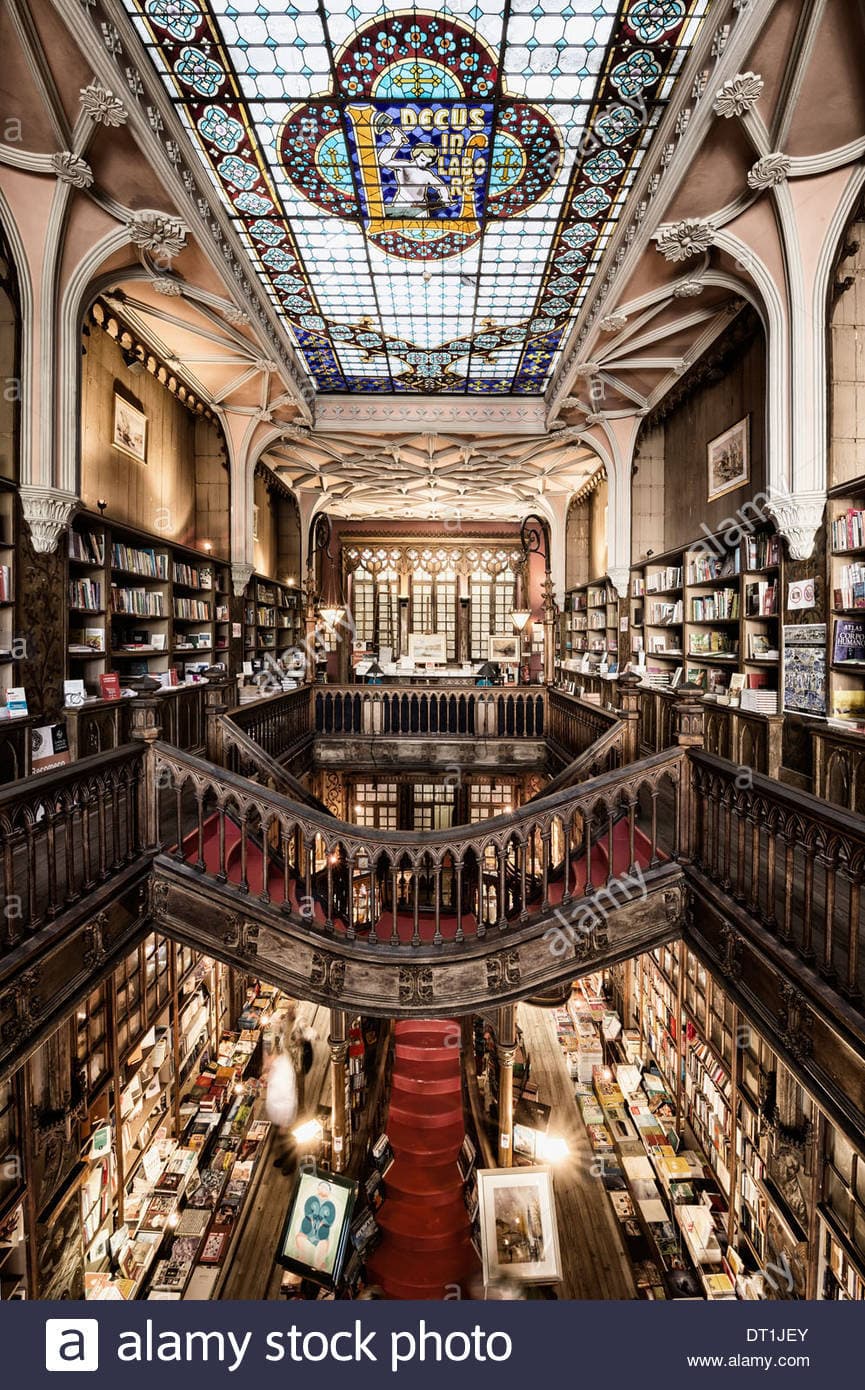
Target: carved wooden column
x=338 y=1044
x=628 y=687
x=145 y=726
x=689 y=729
x=506 y=1046
x=217 y=699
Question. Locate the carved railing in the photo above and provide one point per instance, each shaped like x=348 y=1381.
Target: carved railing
x=839 y=766
x=793 y=862
x=64 y=834
x=102 y=725
x=277 y=723
x=406 y=711
x=399 y=889
x=241 y=754
x=575 y=725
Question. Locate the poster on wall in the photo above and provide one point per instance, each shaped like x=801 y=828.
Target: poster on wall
x=728 y=461
x=130 y=430
x=805 y=668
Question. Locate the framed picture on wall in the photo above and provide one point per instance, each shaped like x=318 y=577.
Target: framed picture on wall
x=519 y=1232
x=728 y=460
x=130 y=430
x=505 y=650
x=429 y=647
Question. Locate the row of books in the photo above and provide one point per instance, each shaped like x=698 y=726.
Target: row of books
x=707 y=568
x=197 y=609
x=850 y=592
x=712 y=644
x=848 y=530
x=149 y=562
x=146 y=603
x=665 y=614
x=761 y=599
x=722 y=605
x=85 y=594
x=762 y=552
x=192 y=576
x=5 y=584
x=86 y=547
x=669 y=578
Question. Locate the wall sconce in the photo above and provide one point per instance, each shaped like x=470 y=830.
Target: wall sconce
x=101 y=504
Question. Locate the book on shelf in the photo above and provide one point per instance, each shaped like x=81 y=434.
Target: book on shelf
x=722 y=605
x=761 y=647
x=669 y=578
x=761 y=599
x=848 y=530
x=16 y=702
x=86 y=547
x=109 y=685
x=762 y=552
x=707 y=568
x=50 y=747
x=848 y=642
x=143 y=603
x=850 y=591
x=87 y=641
x=196 y=609
x=848 y=705
x=85 y=594
x=146 y=561
x=759 y=701
x=665 y=614
x=74 y=693
x=712 y=644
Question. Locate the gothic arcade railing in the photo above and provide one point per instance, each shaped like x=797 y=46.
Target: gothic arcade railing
x=793 y=862
x=65 y=833
x=404 y=888
x=102 y=725
x=405 y=711
x=575 y=725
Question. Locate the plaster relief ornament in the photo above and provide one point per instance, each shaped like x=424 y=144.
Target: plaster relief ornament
x=679 y=241
x=102 y=106
x=613 y=323
x=585 y=370
x=769 y=171
x=687 y=289
x=156 y=231
x=738 y=95
x=165 y=285
x=70 y=168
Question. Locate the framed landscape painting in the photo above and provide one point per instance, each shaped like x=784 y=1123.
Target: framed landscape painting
x=728 y=460
x=519 y=1232
x=130 y=430
x=504 y=650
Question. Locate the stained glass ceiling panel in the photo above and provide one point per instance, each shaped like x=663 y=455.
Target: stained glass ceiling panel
x=425 y=193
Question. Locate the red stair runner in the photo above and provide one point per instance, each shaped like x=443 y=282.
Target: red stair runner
x=425 y=1250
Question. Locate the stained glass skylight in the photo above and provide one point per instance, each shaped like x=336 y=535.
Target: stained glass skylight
x=425 y=193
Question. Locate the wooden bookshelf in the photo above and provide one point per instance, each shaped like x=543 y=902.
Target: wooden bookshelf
x=591 y=622
x=272 y=620
x=845 y=557
x=139 y=605
x=705 y=612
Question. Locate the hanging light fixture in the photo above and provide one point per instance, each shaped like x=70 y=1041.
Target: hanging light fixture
x=520 y=614
x=329 y=603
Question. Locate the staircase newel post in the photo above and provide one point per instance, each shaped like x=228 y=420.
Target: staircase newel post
x=338 y=1044
x=628 y=688
x=506 y=1046
x=217 y=697
x=689 y=714
x=145 y=726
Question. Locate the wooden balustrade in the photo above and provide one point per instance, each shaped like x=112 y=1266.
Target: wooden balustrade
x=574 y=725
x=405 y=711
x=793 y=862
x=745 y=737
x=839 y=766
x=397 y=888
x=64 y=834
x=277 y=723
x=102 y=725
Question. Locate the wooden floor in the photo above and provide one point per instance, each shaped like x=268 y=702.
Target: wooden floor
x=594 y=1262
x=252 y=1274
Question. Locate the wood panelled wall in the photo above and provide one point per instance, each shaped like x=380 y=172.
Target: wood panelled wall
x=847 y=363
x=728 y=383
x=586 y=537
x=276 y=551
x=182 y=491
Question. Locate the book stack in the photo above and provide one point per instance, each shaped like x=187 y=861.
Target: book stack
x=851 y=587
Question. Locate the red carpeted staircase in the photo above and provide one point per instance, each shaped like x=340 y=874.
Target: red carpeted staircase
x=425 y=1250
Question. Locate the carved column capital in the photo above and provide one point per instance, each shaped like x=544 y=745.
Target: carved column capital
x=47 y=512
x=798 y=516
x=241 y=573
x=619 y=576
